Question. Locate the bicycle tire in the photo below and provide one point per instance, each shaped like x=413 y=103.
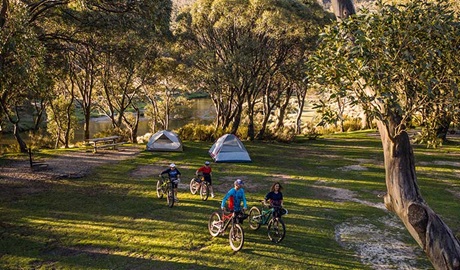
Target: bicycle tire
x=160 y=191
x=204 y=191
x=170 y=196
x=193 y=186
x=215 y=224
x=236 y=237
x=276 y=230
x=255 y=219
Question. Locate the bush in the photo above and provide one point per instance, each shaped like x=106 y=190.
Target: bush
x=123 y=133
x=352 y=124
x=198 y=132
x=311 y=131
x=41 y=139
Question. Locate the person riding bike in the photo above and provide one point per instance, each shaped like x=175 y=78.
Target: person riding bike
x=207 y=172
x=238 y=195
x=275 y=198
x=173 y=174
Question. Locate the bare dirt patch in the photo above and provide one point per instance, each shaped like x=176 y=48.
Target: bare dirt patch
x=378 y=243
x=71 y=164
x=381 y=249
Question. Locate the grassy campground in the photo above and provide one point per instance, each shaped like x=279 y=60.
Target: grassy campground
x=113 y=220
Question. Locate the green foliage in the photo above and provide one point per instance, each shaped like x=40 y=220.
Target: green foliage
x=61 y=118
x=352 y=123
x=311 y=130
x=247 y=52
x=41 y=139
x=123 y=133
x=22 y=62
x=394 y=62
x=198 y=132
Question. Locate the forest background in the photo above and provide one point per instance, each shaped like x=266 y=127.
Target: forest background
x=65 y=62
x=256 y=61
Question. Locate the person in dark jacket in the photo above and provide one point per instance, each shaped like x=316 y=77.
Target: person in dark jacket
x=174 y=176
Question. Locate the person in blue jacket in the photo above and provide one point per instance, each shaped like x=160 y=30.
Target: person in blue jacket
x=237 y=193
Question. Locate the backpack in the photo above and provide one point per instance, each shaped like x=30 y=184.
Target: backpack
x=230 y=203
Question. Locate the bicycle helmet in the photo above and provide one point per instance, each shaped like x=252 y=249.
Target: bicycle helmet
x=239 y=182
x=172 y=165
x=206 y=163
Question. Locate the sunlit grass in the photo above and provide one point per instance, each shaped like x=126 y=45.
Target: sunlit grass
x=112 y=219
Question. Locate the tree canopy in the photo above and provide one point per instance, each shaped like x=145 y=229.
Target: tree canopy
x=240 y=51
x=399 y=65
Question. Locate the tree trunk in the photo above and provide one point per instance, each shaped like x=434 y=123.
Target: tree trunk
x=236 y=119
x=404 y=199
x=251 y=131
x=22 y=144
x=87 y=113
x=282 y=113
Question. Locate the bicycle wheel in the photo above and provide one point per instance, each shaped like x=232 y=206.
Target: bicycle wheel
x=194 y=185
x=204 y=191
x=159 y=189
x=170 y=196
x=236 y=237
x=255 y=219
x=215 y=224
x=276 y=230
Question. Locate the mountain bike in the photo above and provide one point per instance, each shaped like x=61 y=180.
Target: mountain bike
x=218 y=224
x=270 y=216
x=165 y=187
x=198 y=183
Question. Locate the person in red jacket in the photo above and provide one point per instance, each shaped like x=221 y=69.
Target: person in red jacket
x=207 y=172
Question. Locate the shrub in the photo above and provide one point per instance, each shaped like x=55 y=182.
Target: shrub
x=352 y=123
x=198 y=132
x=311 y=131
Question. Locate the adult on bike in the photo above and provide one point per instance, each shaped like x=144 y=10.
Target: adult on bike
x=207 y=172
x=238 y=195
x=275 y=198
x=173 y=174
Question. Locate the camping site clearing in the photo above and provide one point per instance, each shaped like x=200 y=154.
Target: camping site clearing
x=111 y=217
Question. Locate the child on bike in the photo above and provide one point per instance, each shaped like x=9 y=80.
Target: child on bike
x=207 y=171
x=237 y=193
x=174 y=176
x=275 y=198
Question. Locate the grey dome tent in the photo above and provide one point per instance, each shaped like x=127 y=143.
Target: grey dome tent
x=229 y=148
x=165 y=140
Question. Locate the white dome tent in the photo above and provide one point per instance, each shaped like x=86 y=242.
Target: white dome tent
x=166 y=141
x=229 y=148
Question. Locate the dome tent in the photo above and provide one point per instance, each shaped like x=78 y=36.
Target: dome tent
x=166 y=141
x=229 y=148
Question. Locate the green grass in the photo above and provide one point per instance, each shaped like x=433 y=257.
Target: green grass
x=113 y=220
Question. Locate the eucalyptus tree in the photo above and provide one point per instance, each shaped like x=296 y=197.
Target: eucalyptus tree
x=21 y=64
x=87 y=32
x=61 y=116
x=124 y=36
x=131 y=44
x=167 y=94
x=397 y=63
x=239 y=49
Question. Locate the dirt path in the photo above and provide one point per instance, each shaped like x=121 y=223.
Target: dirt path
x=72 y=164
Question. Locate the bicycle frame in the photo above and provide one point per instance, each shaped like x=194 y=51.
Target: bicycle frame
x=219 y=222
x=198 y=184
x=265 y=215
x=270 y=217
x=165 y=183
x=167 y=189
x=226 y=219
